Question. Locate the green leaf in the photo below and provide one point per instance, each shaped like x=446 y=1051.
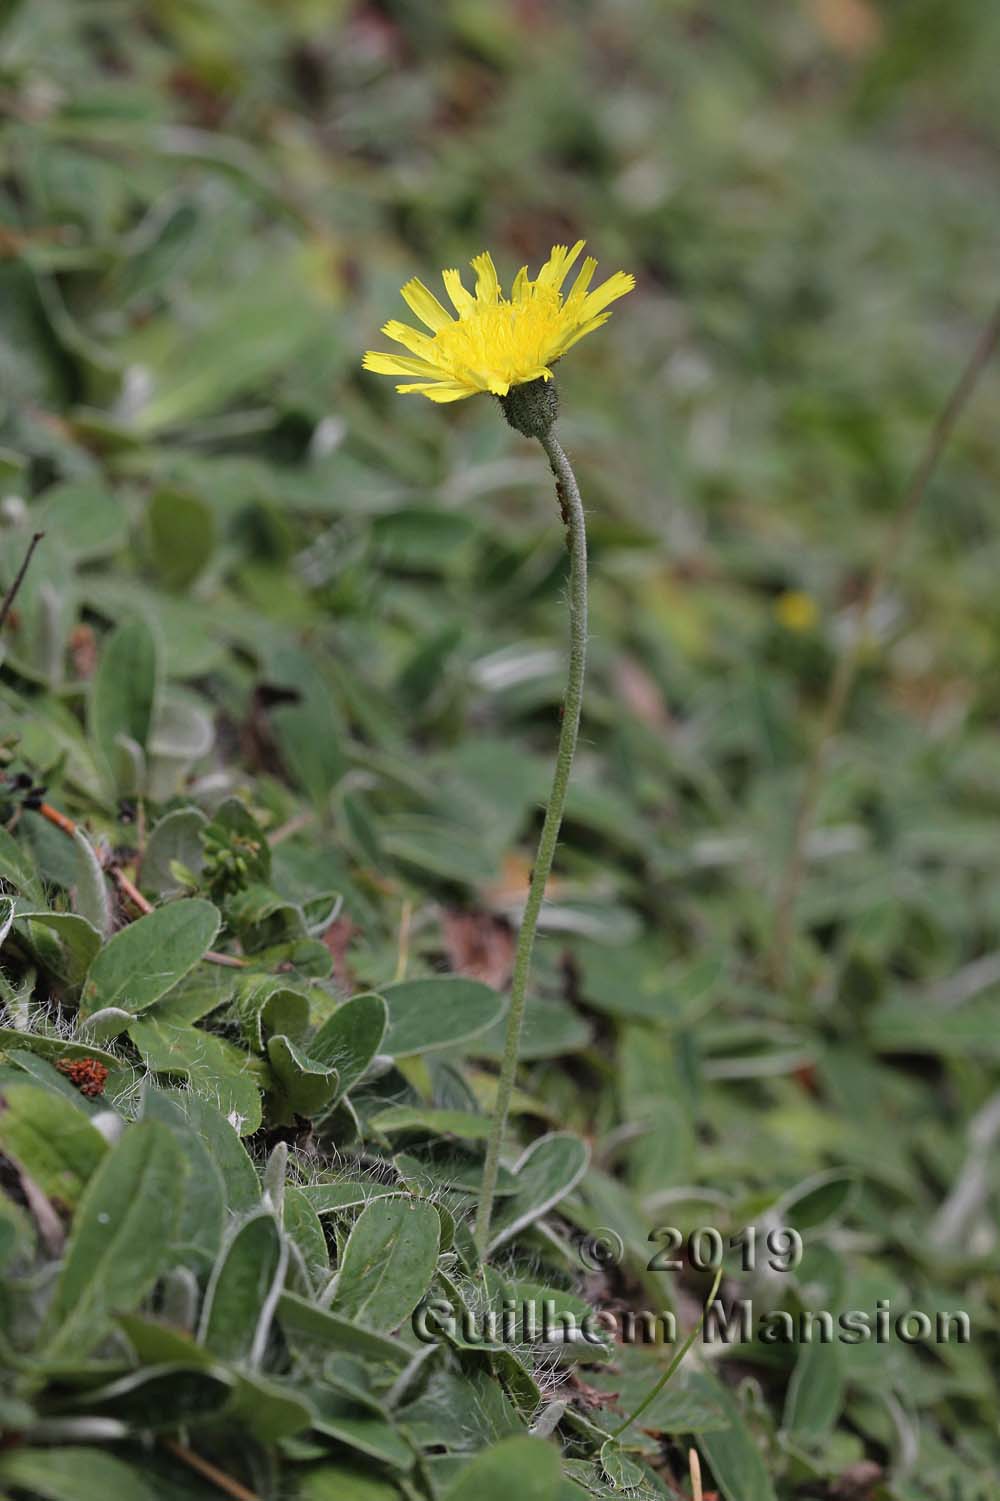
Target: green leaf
x=161 y=1398
x=252 y=332
x=181 y=536
x=388 y=1263
x=16 y=1231
x=272 y=1410
x=143 y=961
x=309 y=732
x=183 y=732
x=157 y=1343
x=54 y=1048
x=239 y=1176
x=265 y=1005
x=437 y=847
x=17 y=868
x=51 y=1139
x=305 y=1087
x=907 y=1024
x=350 y=1038
x=455 y=1170
x=87 y=518
x=121 y=1238
x=217 y=1070
x=461 y=1410
x=335 y=1198
x=92 y=900
x=104 y=1025
x=674 y=1409
x=815 y=1393
x=551 y=1029
x=269 y=1407
x=527 y=1468
x=41 y=1071
x=439 y=1122
x=176 y=839
x=304 y=1322
x=737 y=1464
x=79 y=943
x=243 y=1291
x=819 y=1199
x=123 y=694
x=621 y=1472
x=437 y=1013
x=356 y=1428
x=339 y=1482
x=73 y=1474
x=199 y=1230
x=304 y=1228
x=634 y=981
x=549 y=1169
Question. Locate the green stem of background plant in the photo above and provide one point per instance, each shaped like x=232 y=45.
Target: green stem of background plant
x=842 y=680
x=658 y=1386
x=576 y=540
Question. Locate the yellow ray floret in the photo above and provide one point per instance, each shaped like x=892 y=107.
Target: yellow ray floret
x=496 y=342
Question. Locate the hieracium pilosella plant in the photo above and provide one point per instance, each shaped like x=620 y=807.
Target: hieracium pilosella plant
x=506 y=346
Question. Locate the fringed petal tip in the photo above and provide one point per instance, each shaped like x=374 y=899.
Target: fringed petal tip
x=462 y=300
x=421 y=300
x=487 y=281
x=557 y=267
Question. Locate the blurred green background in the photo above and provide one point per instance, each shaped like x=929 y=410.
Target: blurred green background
x=207 y=208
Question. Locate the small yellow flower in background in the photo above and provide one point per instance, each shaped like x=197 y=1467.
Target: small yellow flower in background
x=497 y=342
x=796 y=611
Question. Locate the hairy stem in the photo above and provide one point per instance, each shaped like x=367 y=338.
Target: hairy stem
x=576 y=540
x=846 y=666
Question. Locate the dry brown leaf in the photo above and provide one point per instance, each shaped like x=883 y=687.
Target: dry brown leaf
x=641 y=694
x=853 y=27
x=479 y=946
x=511 y=889
x=337 y=939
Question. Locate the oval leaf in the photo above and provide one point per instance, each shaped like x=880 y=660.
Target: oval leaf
x=142 y=962
x=121 y=1239
x=73 y=1474
x=243 y=1291
x=350 y=1038
x=545 y=1173
x=388 y=1263
x=437 y=1013
x=527 y=1468
x=51 y=1139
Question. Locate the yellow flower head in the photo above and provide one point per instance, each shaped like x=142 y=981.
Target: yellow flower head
x=496 y=342
x=796 y=611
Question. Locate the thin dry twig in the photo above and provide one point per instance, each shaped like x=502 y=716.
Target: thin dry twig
x=694 y=1464
x=129 y=889
x=12 y=592
x=210 y=1471
x=50 y=1226
x=847 y=663
x=288 y=830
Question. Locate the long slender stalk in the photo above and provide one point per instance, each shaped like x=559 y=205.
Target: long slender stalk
x=576 y=541
x=842 y=681
x=11 y=594
x=658 y=1386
